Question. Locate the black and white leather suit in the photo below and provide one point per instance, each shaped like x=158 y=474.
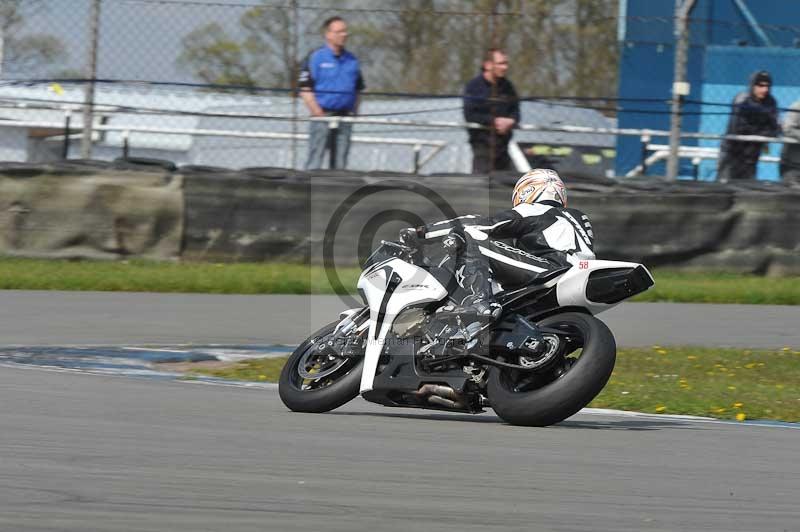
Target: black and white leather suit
x=515 y=247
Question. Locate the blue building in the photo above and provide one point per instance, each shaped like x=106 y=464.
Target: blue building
x=729 y=39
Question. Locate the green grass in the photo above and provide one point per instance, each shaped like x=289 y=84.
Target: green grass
x=686 y=287
x=257 y=369
x=282 y=278
x=719 y=383
x=151 y=276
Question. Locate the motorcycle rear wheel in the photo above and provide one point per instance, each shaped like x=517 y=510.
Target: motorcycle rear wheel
x=566 y=391
x=339 y=383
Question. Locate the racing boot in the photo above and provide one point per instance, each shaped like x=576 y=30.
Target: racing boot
x=482 y=307
x=480 y=303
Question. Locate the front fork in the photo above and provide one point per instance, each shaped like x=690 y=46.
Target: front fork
x=334 y=344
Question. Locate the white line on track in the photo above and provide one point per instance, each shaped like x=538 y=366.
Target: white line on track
x=274 y=386
x=133 y=348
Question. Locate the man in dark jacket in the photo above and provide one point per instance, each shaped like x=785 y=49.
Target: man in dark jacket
x=755 y=112
x=490 y=100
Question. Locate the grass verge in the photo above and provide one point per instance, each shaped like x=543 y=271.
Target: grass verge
x=684 y=287
x=721 y=383
x=257 y=369
x=281 y=278
x=151 y=276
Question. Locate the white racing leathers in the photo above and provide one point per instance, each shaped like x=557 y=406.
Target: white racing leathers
x=517 y=247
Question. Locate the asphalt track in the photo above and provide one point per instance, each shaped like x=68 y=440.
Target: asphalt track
x=101 y=318
x=85 y=452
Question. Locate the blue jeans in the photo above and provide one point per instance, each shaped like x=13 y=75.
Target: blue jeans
x=318 y=141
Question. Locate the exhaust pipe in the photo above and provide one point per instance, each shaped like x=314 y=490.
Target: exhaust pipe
x=442 y=396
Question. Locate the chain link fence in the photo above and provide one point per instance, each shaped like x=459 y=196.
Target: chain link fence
x=180 y=65
x=213 y=82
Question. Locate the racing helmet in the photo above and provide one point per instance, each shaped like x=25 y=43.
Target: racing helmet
x=540 y=184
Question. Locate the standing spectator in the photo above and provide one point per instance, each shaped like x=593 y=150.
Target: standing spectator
x=790 y=154
x=490 y=100
x=330 y=80
x=755 y=112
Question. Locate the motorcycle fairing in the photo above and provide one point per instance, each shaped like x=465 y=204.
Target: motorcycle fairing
x=388 y=289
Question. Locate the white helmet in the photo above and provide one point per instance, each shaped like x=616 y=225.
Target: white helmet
x=540 y=184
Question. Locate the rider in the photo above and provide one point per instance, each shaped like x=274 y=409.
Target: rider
x=546 y=237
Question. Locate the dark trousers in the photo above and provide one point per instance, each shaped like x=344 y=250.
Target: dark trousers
x=738 y=161
x=483 y=162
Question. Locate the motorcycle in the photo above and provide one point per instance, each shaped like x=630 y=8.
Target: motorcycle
x=544 y=359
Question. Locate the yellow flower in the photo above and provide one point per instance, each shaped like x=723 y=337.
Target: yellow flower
x=262 y=377
x=719 y=410
x=660 y=408
x=741 y=416
x=691 y=357
x=731 y=387
x=751 y=365
x=738 y=405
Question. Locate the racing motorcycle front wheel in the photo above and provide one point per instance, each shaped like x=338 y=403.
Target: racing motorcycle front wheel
x=315 y=381
x=546 y=398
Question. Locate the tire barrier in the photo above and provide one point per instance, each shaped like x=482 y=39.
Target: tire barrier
x=94 y=209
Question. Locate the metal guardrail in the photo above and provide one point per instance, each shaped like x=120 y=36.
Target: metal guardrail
x=661 y=152
x=645 y=135
x=416 y=144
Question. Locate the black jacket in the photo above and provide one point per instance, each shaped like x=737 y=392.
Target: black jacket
x=480 y=107
x=753 y=117
x=561 y=236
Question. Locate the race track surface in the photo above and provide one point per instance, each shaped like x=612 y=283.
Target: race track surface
x=85 y=452
x=82 y=452
x=93 y=318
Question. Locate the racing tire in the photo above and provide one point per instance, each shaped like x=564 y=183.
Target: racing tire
x=566 y=394
x=341 y=387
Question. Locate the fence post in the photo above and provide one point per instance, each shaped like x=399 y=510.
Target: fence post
x=333 y=138
x=88 y=99
x=645 y=139
x=126 y=144
x=680 y=87
x=295 y=17
x=65 y=146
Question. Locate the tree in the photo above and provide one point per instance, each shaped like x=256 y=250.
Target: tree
x=556 y=47
x=262 y=58
x=28 y=54
x=216 y=58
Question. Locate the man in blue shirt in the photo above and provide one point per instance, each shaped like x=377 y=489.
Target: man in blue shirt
x=330 y=80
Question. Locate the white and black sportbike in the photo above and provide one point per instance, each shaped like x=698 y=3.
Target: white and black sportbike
x=543 y=360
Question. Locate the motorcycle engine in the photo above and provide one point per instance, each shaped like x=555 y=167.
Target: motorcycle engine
x=409 y=322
